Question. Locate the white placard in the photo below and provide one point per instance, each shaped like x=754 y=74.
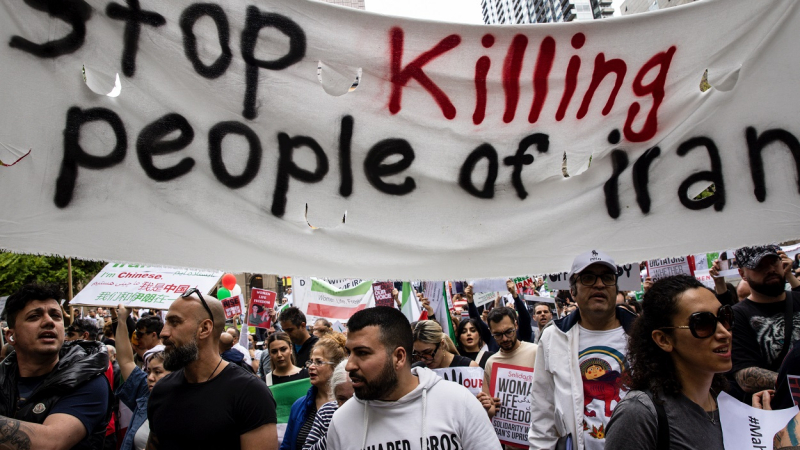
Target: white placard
x=483 y=298
x=748 y=428
x=628 y=279
x=469 y=377
x=137 y=286
x=512 y=384
x=483 y=285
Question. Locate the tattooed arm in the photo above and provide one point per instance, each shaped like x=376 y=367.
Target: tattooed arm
x=788 y=437
x=59 y=431
x=754 y=379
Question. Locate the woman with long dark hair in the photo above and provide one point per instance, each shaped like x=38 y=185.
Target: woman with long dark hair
x=470 y=343
x=678 y=349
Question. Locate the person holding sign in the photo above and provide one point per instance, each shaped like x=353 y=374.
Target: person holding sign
x=396 y=406
x=679 y=349
x=578 y=370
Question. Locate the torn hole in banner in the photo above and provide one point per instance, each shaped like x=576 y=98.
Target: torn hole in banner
x=722 y=80
x=699 y=191
x=337 y=79
x=10 y=155
x=101 y=82
x=319 y=220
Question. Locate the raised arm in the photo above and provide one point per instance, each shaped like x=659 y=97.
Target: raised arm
x=483 y=329
x=524 y=332
x=124 y=347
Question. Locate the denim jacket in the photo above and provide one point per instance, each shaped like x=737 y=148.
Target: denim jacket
x=134 y=393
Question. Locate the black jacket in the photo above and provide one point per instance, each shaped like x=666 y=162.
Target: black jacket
x=78 y=362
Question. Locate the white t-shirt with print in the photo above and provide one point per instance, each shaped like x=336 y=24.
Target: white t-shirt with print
x=602 y=361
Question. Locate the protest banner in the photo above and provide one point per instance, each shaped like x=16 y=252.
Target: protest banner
x=232 y=306
x=475 y=119
x=483 y=298
x=318 y=299
x=667 y=267
x=704 y=277
x=484 y=285
x=469 y=377
x=748 y=428
x=383 y=293
x=261 y=301
x=512 y=384
x=139 y=286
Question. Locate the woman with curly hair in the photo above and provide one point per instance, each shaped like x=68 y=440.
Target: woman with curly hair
x=678 y=350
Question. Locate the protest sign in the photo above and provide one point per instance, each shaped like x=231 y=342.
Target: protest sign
x=138 y=286
x=232 y=306
x=337 y=326
x=704 y=277
x=469 y=377
x=628 y=279
x=484 y=285
x=748 y=428
x=483 y=298
x=261 y=300
x=318 y=299
x=140 y=175
x=791 y=250
x=667 y=267
x=512 y=384
x=383 y=293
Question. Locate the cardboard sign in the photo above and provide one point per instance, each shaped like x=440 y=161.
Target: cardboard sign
x=232 y=306
x=628 y=279
x=513 y=385
x=748 y=428
x=469 y=377
x=383 y=293
x=261 y=300
x=139 y=286
x=667 y=267
x=483 y=285
x=484 y=298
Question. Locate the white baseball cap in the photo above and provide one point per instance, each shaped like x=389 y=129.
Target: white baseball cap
x=586 y=259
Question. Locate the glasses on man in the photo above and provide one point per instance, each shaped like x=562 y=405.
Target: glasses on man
x=589 y=279
x=426 y=355
x=191 y=291
x=318 y=363
x=508 y=334
x=704 y=324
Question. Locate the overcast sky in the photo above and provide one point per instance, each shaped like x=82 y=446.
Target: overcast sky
x=460 y=11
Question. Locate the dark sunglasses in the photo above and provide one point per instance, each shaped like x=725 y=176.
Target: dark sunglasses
x=191 y=291
x=704 y=324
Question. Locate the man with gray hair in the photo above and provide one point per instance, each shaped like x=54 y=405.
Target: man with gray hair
x=180 y=415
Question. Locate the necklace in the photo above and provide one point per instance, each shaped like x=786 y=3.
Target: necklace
x=215 y=369
x=714 y=407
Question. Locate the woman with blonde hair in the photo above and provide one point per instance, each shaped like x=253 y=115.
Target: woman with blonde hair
x=326 y=354
x=435 y=349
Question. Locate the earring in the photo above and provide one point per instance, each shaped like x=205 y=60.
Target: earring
x=11 y=338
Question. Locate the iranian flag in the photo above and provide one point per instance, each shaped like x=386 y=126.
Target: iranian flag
x=326 y=301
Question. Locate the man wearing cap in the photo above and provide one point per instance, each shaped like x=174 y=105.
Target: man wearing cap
x=759 y=325
x=580 y=360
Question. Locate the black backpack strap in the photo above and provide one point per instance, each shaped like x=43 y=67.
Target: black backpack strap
x=662 y=438
x=788 y=322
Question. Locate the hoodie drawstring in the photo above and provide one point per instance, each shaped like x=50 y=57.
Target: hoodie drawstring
x=366 y=422
x=424 y=417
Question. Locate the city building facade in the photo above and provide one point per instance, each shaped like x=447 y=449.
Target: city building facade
x=640 y=6
x=514 y=12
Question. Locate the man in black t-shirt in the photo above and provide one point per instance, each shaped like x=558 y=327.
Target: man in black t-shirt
x=758 y=331
x=206 y=402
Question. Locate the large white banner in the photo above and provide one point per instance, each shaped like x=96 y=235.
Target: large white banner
x=137 y=286
x=300 y=137
x=332 y=299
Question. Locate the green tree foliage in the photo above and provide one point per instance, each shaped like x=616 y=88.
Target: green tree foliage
x=17 y=270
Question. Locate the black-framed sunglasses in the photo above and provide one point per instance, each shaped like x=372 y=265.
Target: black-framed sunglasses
x=589 y=279
x=427 y=355
x=704 y=324
x=191 y=291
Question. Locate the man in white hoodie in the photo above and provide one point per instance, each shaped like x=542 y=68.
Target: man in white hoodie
x=396 y=407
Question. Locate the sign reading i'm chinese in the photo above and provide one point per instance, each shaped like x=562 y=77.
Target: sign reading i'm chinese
x=137 y=286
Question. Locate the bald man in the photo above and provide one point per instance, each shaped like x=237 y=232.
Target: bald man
x=206 y=402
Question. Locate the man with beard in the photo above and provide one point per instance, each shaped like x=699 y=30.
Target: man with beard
x=577 y=375
x=396 y=406
x=542 y=315
x=760 y=326
x=206 y=402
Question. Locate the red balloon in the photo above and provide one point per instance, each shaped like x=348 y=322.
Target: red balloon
x=229 y=281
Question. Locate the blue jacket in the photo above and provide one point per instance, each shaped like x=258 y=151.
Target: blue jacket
x=134 y=394
x=297 y=416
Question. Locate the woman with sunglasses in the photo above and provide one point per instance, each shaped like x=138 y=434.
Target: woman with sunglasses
x=678 y=350
x=137 y=384
x=326 y=354
x=435 y=349
x=279 y=346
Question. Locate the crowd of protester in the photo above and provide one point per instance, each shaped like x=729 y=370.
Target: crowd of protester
x=609 y=371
